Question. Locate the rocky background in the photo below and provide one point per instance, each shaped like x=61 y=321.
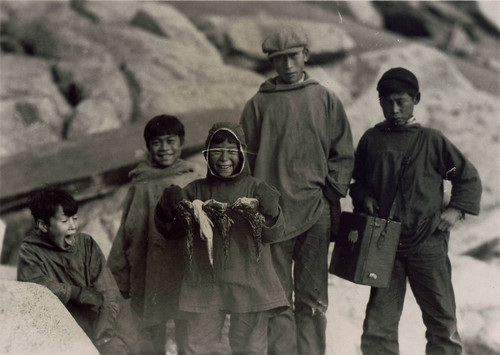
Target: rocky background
x=79 y=79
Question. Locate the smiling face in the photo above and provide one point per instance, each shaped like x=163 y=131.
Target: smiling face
x=61 y=229
x=290 y=66
x=224 y=158
x=165 y=150
x=398 y=107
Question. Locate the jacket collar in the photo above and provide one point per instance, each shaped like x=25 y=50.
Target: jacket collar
x=272 y=85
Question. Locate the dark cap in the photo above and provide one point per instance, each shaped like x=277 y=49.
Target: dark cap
x=287 y=40
x=398 y=74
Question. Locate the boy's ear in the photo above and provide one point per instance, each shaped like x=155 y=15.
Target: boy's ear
x=42 y=225
x=306 y=55
x=416 y=100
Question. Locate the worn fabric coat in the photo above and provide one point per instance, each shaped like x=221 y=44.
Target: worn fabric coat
x=140 y=259
x=84 y=265
x=299 y=140
x=238 y=282
x=432 y=159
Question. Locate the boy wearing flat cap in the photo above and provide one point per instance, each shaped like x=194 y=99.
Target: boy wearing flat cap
x=299 y=140
x=399 y=161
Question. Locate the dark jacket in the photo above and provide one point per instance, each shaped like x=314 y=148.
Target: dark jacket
x=141 y=260
x=84 y=265
x=432 y=158
x=299 y=140
x=238 y=281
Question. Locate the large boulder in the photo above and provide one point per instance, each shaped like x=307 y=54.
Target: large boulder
x=34 y=321
x=32 y=108
x=116 y=62
x=176 y=71
x=243 y=37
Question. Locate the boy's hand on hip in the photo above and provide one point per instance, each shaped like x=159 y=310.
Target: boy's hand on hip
x=370 y=205
x=449 y=217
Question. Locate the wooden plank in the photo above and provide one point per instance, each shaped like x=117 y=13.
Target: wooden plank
x=94 y=165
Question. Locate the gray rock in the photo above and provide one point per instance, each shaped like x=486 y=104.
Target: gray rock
x=34 y=321
x=246 y=34
x=93 y=116
x=120 y=62
x=364 y=12
x=491 y=11
x=33 y=110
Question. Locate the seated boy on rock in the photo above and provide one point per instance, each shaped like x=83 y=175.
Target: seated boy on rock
x=71 y=265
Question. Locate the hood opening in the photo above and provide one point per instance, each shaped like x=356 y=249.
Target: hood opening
x=221 y=134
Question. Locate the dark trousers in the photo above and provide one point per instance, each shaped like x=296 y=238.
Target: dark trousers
x=302 y=330
x=428 y=271
x=201 y=333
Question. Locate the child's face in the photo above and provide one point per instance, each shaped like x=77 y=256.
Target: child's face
x=165 y=150
x=290 y=67
x=224 y=158
x=61 y=229
x=398 y=107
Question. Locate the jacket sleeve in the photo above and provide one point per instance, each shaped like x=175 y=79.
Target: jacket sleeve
x=341 y=154
x=466 y=183
x=250 y=123
x=359 y=188
x=31 y=268
x=275 y=232
x=105 y=284
x=117 y=260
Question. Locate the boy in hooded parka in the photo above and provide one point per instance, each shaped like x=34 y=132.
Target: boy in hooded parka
x=71 y=265
x=237 y=278
x=140 y=256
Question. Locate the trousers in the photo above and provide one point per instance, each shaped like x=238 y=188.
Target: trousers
x=202 y=333
x=302 y=267
x=428 y=271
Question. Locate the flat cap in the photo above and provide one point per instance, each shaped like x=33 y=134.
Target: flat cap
x=399 y=74
x=287 y=40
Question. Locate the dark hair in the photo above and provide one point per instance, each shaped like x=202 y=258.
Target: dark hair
x=396 y=87
x=162 y=125
x=43 y=204
x=223 y=135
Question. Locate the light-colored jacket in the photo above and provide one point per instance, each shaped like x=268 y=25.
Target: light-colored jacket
x=299 y=140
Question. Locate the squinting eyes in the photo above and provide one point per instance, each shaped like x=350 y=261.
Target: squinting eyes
x=219 y=151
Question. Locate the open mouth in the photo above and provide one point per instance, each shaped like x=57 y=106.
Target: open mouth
x=224 y=166
x=69 y=240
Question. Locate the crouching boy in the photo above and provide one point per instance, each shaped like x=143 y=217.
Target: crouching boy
x=72 y=266
x=227 y=222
